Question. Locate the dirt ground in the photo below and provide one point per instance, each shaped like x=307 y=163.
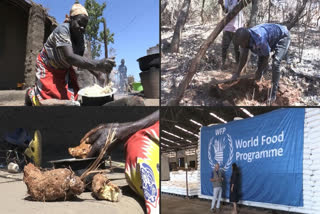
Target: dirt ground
x=177 y=205
x=16 y=98
x=14 y=199
x=299 y=82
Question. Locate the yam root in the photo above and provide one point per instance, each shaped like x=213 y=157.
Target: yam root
x=51 y=185
x=80 y=151
x=102 y=188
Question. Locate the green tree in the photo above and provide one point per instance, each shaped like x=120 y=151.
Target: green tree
x=93 y=35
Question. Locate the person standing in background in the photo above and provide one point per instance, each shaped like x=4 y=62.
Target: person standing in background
x=234 y=187
x=123 y=76
x=230 y=29
x=216 y=179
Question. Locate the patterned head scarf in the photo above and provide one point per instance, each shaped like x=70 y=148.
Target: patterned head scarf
x=77 y=9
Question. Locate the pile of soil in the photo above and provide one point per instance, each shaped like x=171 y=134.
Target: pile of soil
x=251 y=92
x=51 y=185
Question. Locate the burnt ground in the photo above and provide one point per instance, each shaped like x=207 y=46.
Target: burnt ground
x=299 y=83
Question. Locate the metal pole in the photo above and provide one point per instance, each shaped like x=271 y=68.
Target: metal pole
x=186 y=166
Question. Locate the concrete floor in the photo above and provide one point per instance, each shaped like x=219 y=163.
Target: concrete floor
x=16 y=98
x=181 y=205
x=14 y=199
x=12 y=97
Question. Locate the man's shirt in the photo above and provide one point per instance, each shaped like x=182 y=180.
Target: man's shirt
x=264 y=38
x=122 y=71
x=216 y=174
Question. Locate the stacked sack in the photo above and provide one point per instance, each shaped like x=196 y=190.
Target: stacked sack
x=177 y=183
x=311 y=161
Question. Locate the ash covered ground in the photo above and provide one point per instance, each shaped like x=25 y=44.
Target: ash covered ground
x=299 y=82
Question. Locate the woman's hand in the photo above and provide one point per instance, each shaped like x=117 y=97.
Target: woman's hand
x=103 y=65
x=106 y=65
x=97 y=137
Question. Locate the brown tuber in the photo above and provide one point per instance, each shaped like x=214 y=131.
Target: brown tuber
x=102 y=188
x=51 y=185
x=80 y=151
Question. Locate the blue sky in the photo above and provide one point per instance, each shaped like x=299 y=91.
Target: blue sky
x=135 y=24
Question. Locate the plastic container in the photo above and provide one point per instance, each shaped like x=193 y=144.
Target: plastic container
x=13 y=167
x=137 y=86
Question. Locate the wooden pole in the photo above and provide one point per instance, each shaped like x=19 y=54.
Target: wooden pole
x=105 y=38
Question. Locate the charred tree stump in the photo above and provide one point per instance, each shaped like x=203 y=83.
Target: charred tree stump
x=202 y=10
x=182 y=18
x=254 y=13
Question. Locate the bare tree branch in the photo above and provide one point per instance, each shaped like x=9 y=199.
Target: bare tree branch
x=297 y=17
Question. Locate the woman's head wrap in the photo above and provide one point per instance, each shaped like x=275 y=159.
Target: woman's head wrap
x=77 y=9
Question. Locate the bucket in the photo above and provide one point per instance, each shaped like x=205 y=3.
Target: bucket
x=150 y=82
x=137 y=86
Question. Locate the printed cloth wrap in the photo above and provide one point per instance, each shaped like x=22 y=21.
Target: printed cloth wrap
x=53 y=83
x=142 y=166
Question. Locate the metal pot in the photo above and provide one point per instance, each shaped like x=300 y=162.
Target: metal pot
x=98 y=100
x=146 y=62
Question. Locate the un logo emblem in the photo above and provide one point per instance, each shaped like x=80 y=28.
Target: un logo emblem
x=221 y=151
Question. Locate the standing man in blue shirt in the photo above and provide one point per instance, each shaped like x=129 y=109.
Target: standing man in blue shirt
x=216 y=179
x=123 y=76
x=262 y=40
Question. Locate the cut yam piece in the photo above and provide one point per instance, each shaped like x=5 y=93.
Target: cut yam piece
x=80 y=151
x=102 y=188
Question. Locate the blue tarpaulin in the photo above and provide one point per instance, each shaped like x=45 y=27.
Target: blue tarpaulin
x=267 y=148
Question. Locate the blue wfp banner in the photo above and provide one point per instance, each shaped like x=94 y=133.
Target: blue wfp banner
x=267 y=148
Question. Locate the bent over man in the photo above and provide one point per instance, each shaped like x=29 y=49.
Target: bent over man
x=262 y=40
